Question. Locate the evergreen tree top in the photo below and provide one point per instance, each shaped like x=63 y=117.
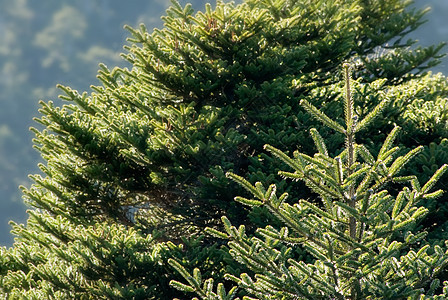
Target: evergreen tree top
x=362 y=237
x=139 y=164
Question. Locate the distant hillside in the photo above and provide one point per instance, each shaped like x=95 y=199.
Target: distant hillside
x=436 y=29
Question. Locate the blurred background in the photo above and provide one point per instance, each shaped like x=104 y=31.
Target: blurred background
x=46 y=42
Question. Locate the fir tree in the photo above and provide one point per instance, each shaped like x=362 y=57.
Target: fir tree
x=135 y=170
x=361 y=237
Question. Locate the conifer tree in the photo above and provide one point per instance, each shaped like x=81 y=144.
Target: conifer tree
x=135 y=170
x=361 y=237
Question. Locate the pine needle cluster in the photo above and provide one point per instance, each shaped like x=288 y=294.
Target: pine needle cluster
x=361 y=236
x=134 y=170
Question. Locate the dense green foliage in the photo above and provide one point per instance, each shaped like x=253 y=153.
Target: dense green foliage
x=138 y=164
x=43 y=43
x=361 y=237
